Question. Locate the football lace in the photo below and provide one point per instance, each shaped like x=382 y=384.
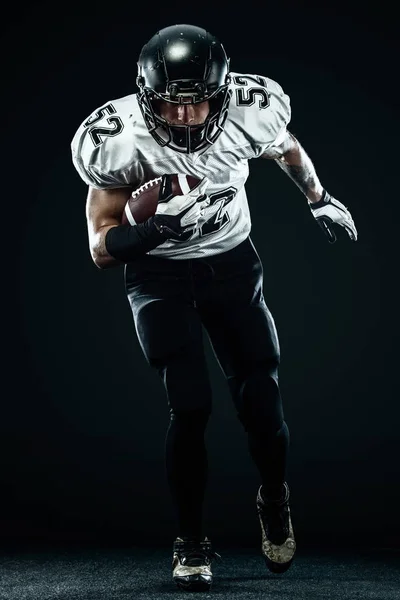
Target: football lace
x=146 y=186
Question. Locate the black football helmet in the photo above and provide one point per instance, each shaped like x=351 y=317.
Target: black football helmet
x=184 y=64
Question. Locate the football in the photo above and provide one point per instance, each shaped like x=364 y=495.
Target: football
x=143 y=203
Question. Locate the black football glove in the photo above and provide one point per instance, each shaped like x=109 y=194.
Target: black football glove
x=177 y=216
x=327 y=211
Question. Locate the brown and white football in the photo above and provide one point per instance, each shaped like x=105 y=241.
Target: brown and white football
x=143 y=203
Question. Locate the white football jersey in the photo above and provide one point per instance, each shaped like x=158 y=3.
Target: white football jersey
x=113 y=148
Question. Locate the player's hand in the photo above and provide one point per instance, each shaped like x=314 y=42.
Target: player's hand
x=328 y=211
x=178 y=215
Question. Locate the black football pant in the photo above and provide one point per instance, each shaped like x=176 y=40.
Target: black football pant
x=170 y=301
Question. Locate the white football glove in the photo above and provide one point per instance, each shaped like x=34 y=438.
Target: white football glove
x=178 y=215
x=328 y=210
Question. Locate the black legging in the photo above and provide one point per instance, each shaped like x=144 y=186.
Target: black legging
x=171 y=300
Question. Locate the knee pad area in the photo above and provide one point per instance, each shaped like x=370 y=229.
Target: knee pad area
x=259 y=403
x=190 y=421
x=187 y=384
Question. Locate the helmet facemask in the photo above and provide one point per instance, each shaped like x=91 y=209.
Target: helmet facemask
x=185 y=138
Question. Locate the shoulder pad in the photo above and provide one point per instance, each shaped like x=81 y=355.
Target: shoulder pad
x=261 y=108
x=103 y=147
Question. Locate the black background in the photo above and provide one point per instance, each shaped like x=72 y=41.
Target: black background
x=83 y=418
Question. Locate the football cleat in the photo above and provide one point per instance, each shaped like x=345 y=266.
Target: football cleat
x=278 y=545
x=191 y=564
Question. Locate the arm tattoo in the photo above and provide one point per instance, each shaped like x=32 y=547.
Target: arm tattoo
x=303 y=177
x=298 y=166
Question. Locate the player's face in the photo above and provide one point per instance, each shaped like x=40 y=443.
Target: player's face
x=184 y=114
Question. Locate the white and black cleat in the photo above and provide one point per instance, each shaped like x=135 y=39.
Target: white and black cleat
x=191 y=564
x=278 y=545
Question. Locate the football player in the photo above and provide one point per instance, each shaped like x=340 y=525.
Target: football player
x=193 y=264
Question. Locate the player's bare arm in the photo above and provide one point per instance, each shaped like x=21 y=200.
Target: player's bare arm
x=113 y=243
x=104 y=210
x=295 y=162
